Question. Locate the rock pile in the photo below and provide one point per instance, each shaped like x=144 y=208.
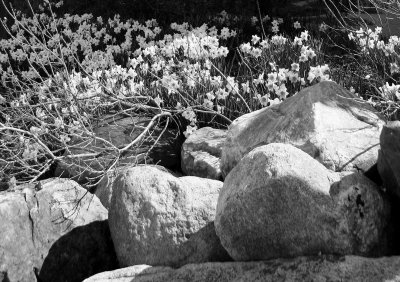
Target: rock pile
x=294 y=187
x=295 y=205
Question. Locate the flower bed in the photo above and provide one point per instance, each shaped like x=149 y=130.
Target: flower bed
x=62 y=74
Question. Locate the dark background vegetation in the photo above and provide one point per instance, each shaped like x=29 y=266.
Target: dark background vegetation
x=167 y=11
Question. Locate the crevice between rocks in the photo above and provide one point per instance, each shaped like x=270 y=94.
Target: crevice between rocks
x=31 y=202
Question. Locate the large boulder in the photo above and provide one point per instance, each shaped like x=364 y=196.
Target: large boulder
x=60 y=232
x=389 y=157
x=326 y=121
x=156 y=218
x=201 y=153
x=280 y=202
x=120 y=131
x=348 y=268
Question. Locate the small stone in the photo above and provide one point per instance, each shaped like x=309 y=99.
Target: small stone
x=201 y=153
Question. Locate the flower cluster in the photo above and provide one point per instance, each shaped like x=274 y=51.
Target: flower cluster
x=73 y=41
x=278 y=76
x=275 y=25
x=390 y=92
x=318 y=73
x=378 y=52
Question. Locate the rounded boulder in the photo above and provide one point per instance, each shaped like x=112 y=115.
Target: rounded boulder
x=158 y=219
x=278 y=202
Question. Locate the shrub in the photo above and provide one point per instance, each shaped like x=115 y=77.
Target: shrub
x=62 y=74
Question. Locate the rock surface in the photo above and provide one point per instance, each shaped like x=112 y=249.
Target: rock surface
x=201 y=153
x=348 y=268
x=389 y=157
x=105 y=188
x=65 y=240
x=280 y=202
x=120 y=132
x=325 y=121
x=158 y=219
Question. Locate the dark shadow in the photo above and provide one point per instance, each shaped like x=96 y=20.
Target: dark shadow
x=394 y=225
x=50 y=173
x=79 y=254
x=373 y=175
x=4 y=276
x=205 y=240
x=167 y=152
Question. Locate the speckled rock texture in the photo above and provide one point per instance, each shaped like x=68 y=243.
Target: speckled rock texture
x=105 y=188
x=280 y=202
x=389 y=157
x=324 y=268
x=156 y=218
x=60 y=230
x=201 y=153
x=325 y=120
